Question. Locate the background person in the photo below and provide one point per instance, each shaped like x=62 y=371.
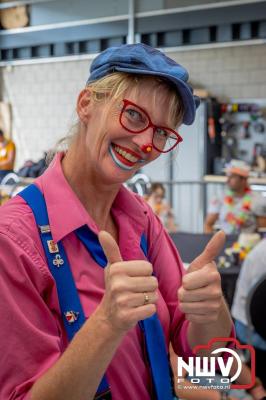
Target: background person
x=236 y=212
x=156 y=199
x=7 y=155
x=105 y=246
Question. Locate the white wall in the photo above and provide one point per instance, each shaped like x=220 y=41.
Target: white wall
x=43 y=97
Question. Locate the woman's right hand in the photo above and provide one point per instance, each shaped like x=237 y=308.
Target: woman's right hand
x=130 y=289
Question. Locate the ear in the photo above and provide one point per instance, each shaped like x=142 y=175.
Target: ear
x=83 y=104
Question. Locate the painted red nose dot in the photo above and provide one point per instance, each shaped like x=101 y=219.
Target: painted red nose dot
x=146 y=148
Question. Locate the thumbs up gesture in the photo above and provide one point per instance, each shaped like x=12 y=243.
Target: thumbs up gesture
x=130 y=289
x=200 y=296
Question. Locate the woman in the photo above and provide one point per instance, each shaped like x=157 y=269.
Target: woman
x=134 y=99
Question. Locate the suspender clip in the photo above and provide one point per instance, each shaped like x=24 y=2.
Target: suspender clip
x=45 y=228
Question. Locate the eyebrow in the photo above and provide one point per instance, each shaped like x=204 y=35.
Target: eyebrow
x=167 y=124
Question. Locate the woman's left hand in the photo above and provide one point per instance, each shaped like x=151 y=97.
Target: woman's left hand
x=200 y=296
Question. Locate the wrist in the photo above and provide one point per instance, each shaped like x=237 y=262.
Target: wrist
x=257 y=391
x=224 y=395
x=105 y=325
x=256 y=384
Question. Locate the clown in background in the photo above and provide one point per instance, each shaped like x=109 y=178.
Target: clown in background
x=240 y=210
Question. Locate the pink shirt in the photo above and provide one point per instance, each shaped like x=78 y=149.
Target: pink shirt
x=32 y=336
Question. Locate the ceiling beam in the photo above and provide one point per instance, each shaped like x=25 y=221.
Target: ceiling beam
x=18 y=3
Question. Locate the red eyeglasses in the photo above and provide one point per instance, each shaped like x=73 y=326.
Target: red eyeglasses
x=136 y=120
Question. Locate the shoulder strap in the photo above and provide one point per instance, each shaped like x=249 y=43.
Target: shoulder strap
x=71 y=309
x=156 y=348
x=144 y=244
x=92 y=244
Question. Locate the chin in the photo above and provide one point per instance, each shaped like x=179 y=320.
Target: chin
x=116 y=175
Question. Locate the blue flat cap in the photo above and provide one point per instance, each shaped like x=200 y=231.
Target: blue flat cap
x=145 y=60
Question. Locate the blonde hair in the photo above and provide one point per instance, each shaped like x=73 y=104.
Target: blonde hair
x=112 y=87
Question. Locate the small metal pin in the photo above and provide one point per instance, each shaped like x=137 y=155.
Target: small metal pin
x=44 y=228
x=58 y=261
x=52 y=246
x=71 y=316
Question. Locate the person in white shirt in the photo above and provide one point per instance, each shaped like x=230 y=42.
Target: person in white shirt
x=237 y=211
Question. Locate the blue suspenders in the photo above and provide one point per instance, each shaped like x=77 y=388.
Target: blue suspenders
x=71 y=308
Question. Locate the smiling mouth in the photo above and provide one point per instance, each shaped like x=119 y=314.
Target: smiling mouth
x=123 y=157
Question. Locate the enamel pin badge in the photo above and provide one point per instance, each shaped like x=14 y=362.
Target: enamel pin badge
x=52 y=246
x=71 y=316
x=58 y=261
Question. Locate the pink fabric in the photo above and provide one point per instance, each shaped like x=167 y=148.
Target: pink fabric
x=32 y=337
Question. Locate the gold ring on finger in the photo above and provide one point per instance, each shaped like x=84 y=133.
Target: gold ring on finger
x=146 y=298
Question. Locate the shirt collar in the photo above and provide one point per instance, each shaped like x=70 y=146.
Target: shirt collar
x=66 y=212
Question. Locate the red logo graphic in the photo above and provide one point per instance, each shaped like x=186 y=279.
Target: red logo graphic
x=232 y=352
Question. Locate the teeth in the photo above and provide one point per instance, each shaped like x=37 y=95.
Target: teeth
x=126 y=155
x=132 y=158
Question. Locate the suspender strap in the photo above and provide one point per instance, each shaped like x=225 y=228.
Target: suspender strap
x=71 y=308
x=92 y=245
x=156 y=348
x=58 y=264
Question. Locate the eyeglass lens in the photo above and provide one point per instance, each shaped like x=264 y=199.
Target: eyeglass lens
x=135 y=120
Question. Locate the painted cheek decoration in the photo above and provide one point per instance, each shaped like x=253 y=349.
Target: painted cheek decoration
x=118 y=162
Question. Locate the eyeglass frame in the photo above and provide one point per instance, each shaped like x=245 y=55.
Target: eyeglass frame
x=150 y=125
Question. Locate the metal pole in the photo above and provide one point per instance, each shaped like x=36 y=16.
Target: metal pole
x=131 y=22
x=171 y=178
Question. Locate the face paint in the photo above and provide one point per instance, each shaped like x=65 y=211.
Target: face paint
x=118 y=162
x=124 y=157
x=147 y=148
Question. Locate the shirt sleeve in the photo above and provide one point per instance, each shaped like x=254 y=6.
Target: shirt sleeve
x=214 y=206
x=169 y=271
x=30 y=336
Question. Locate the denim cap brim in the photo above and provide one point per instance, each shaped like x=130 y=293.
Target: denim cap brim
x=141 y=59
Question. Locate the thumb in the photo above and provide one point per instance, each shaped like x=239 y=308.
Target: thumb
x=110 y=247
x=211 y=251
